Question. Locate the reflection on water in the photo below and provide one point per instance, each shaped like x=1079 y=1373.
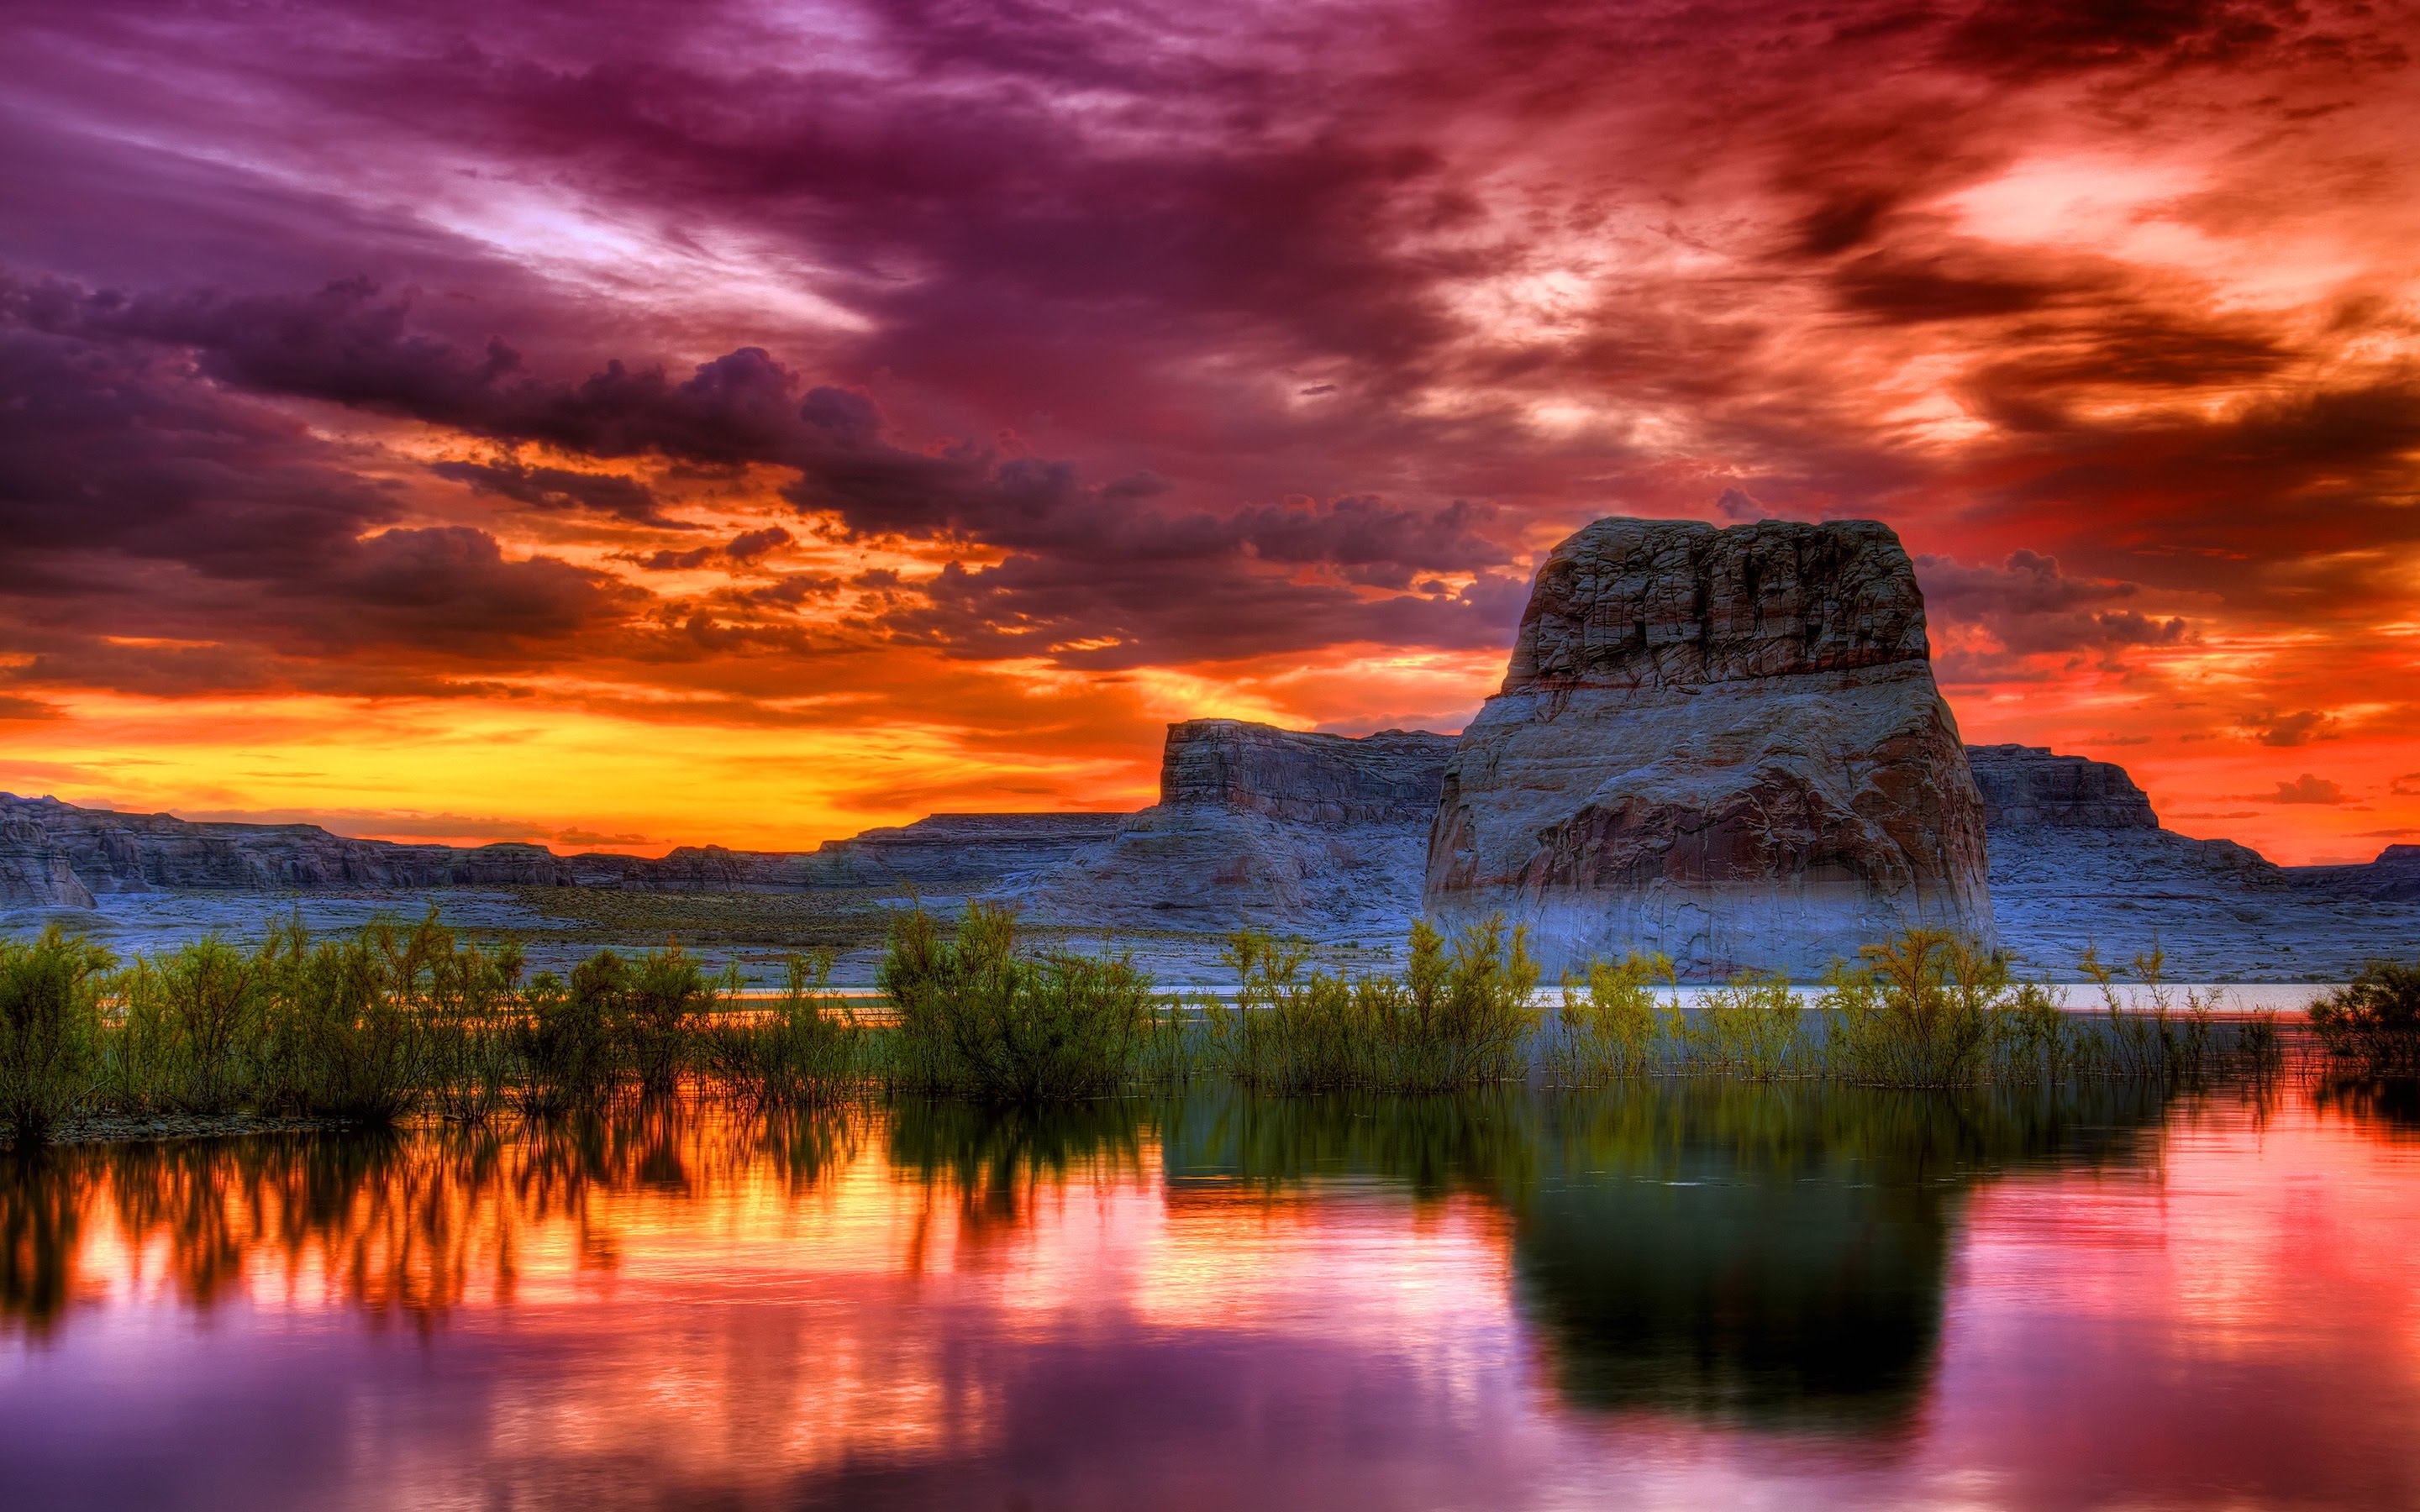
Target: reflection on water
x=1666 y=1294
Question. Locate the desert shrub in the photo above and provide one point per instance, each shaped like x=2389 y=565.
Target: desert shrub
x=1457 y=1017
x=805 y=1048
x=2373 y=1021
x=1919 y=1011
x=1753 y=1026
x=658 y=1011
x=2036 y=1040
x=978 y=1019
x=2170 y=1041
x=565 y=1036
x=50 y=1029
x=1611 y=1025
x=190 y=1036
x=468 y=1003
x=336 y=1039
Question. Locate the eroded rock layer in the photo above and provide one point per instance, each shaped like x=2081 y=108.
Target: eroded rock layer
x=1259 y=826
x=58 y=854
x=1724 y=744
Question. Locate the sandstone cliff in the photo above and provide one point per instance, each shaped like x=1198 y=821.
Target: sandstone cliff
x=1258 y=826
x=85 y=851
x=34 y=873
x=2025 y=787
x=1724 y=745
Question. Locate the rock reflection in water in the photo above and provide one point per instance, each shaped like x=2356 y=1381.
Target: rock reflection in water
x=1772 y=1253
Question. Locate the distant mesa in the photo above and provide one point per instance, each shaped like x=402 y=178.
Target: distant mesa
x=2031 y=787
x=1263 y=828
x=1723 y=745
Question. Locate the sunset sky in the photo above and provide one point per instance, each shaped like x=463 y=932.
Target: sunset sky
x=628 y=425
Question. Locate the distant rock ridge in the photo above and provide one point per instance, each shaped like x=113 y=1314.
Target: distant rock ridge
x=2393 y=876
x=2025 y=787
x=1258 y=826
x=1724 y=744
x=58 y=854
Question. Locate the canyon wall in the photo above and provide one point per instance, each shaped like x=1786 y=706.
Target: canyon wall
x=1723 y=745
x=1263 y=828
x=58 y=854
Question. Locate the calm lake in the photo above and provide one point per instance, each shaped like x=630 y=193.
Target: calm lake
x=1678 y=1294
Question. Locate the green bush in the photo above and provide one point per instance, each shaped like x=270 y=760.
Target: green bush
x=50 y=1029
x=806 y=1048
x=2373 y=1021
x=469 y=1007
x=1611 y=1025
x=337 y=1041
x=1455 y=1018
x=1754 y=1028
x=1919 y=1012
x=978 y=1019
x=190 y=1036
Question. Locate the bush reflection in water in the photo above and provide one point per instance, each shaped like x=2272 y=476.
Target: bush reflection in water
x=1772 y=1253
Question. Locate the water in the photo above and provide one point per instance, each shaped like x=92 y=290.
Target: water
x=1680 y=1295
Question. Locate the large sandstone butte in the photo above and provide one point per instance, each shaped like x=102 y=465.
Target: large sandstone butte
x=1258 y=826
x=1724 y=744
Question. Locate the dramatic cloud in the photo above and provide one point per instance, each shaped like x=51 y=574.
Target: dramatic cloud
x=993 y=382
x=2308 y=789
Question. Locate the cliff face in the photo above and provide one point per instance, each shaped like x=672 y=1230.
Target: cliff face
x=1263 y=828
x=34 y=873
x=58 y=854
x=2028 y=787
x=1724 y=745
x=1390 y=778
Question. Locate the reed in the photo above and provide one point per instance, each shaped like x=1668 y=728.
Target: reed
x=804 y=1049
x=978 y=1019
x=1455 y=1018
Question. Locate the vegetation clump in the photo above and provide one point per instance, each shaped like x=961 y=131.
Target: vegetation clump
x=976 y=1018
x=1455 y=1018
x=50 y=1029
x=2373 y=1021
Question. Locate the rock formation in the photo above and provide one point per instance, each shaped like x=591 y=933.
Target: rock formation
x=1724 y=745
x=1258 y=826
x=2079 y=860
x=2028 y=787
x=34 y=873
x=2392 y=876
x=102 y=851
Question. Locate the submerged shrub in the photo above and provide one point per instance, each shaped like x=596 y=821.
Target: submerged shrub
x=2171 y=1042
x=2373 y=1021
x=50 y=1029
x=336 y=1042
x=1455 y=1018
x=190 y=1037
x=977 y=1018
x=564 y=1037
x=1611 y=1023
x=469 y=1005
x=806 y=1048
x=1752 y=1028
x=1919 y=1012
